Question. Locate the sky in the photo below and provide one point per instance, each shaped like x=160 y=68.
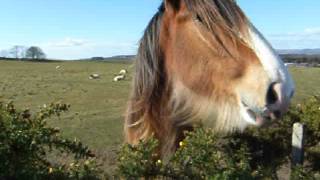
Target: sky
x=72 y=29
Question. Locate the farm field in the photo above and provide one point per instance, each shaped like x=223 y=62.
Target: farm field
x=97 y=106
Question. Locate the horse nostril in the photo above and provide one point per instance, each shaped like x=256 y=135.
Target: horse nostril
x=277 y=114
x=272 y=96
x=292 y=94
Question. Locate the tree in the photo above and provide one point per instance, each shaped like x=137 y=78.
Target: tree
x=14 y=51
x=17 y=51
x=23 y=51
x=35 y=52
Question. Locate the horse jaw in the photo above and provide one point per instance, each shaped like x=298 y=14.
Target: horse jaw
x=189 y=108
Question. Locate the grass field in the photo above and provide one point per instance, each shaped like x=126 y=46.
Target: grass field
x=96 y=115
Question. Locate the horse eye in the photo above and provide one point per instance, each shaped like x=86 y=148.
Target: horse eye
x=198 y=19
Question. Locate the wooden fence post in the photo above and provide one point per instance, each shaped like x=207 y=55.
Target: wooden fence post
x=297 y=144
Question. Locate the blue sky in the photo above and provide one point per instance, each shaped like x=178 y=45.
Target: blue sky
x=69 y=29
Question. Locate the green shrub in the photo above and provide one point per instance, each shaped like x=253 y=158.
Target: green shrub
x=256 y=153
x=201 y=155
x=26 y=142
x=271 y=148
x=140 y=160
x=299 y=172
x=309 y=114
x=204 y=155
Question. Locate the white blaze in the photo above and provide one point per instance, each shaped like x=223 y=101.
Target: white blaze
x=271 y=62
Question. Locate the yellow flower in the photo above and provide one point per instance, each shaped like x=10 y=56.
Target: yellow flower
x=71 y=164
x=87 y=162
x=159 y=161
x=50 y=170
x=181 y=144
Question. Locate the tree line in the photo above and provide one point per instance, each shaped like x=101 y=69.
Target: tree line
x=301 y=58
x=22 y=52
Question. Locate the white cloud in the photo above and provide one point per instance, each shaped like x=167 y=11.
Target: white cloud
x=71 y=48
x=308 y=38
x=307 y=33
x=68 y=42
x=312 y=31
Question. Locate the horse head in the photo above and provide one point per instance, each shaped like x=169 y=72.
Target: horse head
x=203 y=62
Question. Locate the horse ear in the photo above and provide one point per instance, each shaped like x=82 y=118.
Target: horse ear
x=174 y=5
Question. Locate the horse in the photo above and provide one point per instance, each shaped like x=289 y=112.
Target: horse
x=202 y=62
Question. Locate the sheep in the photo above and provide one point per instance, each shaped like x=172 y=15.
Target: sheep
x=58 y=67
x=94 y=76
x=123 y=72
x=119 y=78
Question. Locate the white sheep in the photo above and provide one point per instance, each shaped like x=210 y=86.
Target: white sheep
x=123 y=72
x=119 y=78
x=94 y=76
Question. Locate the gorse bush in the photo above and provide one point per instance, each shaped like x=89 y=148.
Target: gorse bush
x=223 y=158
x=309 y=114
x=200 y=156
x=26 y=142
x=256 y=153
x=140 y=160
x=27 y=145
